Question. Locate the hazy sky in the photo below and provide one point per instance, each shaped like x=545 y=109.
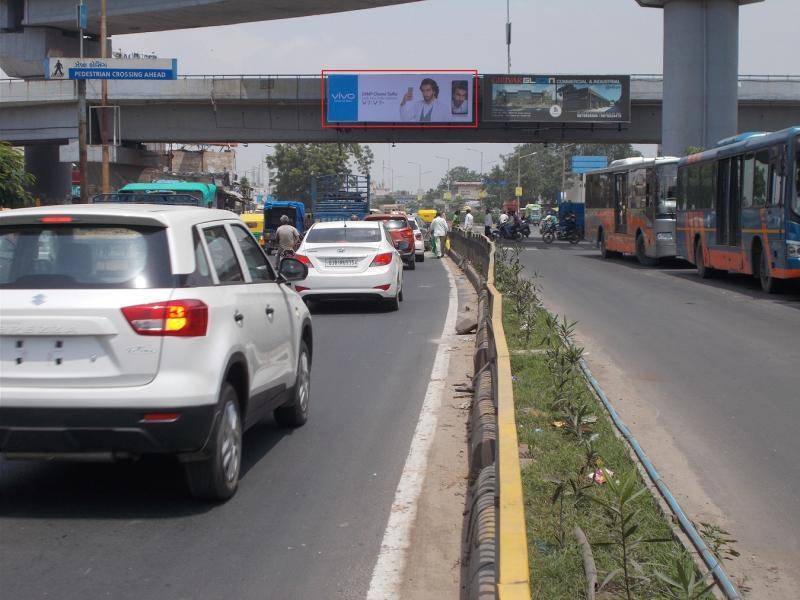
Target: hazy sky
x=549 y=36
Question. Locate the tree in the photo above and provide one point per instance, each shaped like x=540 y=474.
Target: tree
x=14 y=181
x=296 y=164
x=457 y=174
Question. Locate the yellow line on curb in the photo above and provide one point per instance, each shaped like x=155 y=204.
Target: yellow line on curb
x=513 y=580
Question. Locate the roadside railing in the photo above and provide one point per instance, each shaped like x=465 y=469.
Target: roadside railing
x=496 y=561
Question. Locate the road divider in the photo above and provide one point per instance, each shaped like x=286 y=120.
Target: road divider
x=496 y=550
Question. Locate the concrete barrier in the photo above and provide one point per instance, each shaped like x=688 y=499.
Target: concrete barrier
x=496 y=550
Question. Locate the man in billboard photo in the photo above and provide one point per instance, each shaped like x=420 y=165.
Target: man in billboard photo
x=459 y=104
x=428 y=109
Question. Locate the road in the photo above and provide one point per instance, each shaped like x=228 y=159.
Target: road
x=311 y=509
x=707 y=374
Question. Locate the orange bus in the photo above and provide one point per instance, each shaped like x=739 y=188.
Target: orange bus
x=630 y=208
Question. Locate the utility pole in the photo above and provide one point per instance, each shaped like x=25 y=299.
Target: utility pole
x=508 y=33
x=449 y=181
x=82 y=158
x=104 y=97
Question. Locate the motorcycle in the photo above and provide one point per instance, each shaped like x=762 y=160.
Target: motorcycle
x=569 y=231
x=510 y=233
x=549 y=231
x=525 y=228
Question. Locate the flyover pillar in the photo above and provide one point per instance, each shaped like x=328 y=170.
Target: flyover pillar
x=53 y=178
x=701 y=68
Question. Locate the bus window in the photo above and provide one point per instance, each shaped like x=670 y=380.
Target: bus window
x=796 y=199
x=667 y=190
x=761 y=179
x=747 y=181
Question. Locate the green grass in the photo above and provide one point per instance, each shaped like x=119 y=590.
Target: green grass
x=556 y=570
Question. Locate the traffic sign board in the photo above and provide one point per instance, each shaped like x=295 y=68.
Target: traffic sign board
x=582 y=164
x=518 y=192
x=145 y=69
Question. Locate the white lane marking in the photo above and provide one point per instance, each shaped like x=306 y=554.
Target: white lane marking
x=388 y=571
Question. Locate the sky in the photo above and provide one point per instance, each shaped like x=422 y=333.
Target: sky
x=548 y=36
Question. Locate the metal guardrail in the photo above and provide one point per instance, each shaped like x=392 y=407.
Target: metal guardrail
x=634 y=76
x=511 y=546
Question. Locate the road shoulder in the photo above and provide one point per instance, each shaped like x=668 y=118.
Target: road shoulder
x=433 y=564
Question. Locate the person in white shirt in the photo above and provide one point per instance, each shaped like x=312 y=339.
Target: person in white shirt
x=427 y=110
x=468 y=219
x=487 y=223
x=503 y=218
x=439 y=230
x=459 y=104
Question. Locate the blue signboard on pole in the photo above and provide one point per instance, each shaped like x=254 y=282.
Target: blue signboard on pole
x=584 y=164
x=145 y=69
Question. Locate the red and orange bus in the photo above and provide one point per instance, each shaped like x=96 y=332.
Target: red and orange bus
x=630 y=208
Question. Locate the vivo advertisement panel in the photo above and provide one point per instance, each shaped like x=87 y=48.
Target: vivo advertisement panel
x=400 y=99
x=557 y=98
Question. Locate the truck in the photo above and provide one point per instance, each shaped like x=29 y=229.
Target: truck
x=339 y=196
x=273 y=211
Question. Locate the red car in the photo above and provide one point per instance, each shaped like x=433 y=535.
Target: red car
x=402 y=236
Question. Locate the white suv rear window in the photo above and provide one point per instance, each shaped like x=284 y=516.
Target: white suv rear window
x=84 y=256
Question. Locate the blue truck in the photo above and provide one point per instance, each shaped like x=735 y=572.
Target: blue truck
x=273 y=211
x=338 y=197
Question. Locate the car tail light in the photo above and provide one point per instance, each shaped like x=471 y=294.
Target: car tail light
x=177 y=318
x=385 y=287
x=381 y=260
x=300 y=288
x=304 y=259
x=418 y=236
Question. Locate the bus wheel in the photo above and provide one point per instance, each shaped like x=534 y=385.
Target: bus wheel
x=768 y=283
x=604 y=251
x=702 y=270
x=641 y=254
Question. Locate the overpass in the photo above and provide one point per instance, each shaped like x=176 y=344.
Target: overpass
x=284 y=108
x=33 y=29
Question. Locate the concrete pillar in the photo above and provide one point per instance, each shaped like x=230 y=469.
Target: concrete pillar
x=53 y=178
x=701 y=69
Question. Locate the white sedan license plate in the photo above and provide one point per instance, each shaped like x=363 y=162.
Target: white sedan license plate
x=341 y=262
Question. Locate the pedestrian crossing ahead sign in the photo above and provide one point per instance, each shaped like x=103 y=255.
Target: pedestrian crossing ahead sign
x=145 y=69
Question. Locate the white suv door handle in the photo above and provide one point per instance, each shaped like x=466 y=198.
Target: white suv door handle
x=269 y=311
x=238 y=317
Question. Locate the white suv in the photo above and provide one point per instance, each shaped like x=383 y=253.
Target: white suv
x=134 y=329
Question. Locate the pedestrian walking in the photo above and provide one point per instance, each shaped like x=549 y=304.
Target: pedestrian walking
x=468 y=220
x=487 y=223
x=439 y=230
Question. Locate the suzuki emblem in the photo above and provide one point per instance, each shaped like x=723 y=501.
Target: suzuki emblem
x=38 y=299
x=340 y=249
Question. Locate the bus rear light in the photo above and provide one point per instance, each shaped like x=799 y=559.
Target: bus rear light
x=176 y=318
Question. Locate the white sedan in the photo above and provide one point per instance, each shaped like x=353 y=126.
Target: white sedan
x=351 y=259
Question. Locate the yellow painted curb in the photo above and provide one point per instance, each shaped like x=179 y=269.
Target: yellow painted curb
x=513 y=579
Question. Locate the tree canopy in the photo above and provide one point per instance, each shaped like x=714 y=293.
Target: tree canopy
x=296 y=164
x=14 y=181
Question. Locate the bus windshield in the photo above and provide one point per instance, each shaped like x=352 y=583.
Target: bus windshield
x=796 y=199
x=667 y=190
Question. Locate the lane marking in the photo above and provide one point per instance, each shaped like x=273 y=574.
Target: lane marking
x=387 y=574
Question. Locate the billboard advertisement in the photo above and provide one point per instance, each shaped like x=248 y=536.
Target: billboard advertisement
x=557 y=98
x=399 y=99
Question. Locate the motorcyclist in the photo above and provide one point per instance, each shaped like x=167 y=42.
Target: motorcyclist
x=570 y=222
x=549 y=221
x=511 y=226
x=288 y=237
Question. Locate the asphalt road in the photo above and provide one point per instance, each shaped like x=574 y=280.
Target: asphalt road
x=311 y=509
x=718 y=364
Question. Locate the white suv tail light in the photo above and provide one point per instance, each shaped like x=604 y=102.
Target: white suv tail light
x=177 y=318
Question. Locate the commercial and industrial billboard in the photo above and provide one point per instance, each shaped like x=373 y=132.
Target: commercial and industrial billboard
x=399 y=99
x=557 y=98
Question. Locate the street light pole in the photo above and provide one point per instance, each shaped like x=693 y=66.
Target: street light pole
x=82 y=155
x=419 y=171
x=449 y=180
x=104 y=96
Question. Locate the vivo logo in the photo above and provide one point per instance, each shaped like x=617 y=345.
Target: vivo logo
x=342 y=97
